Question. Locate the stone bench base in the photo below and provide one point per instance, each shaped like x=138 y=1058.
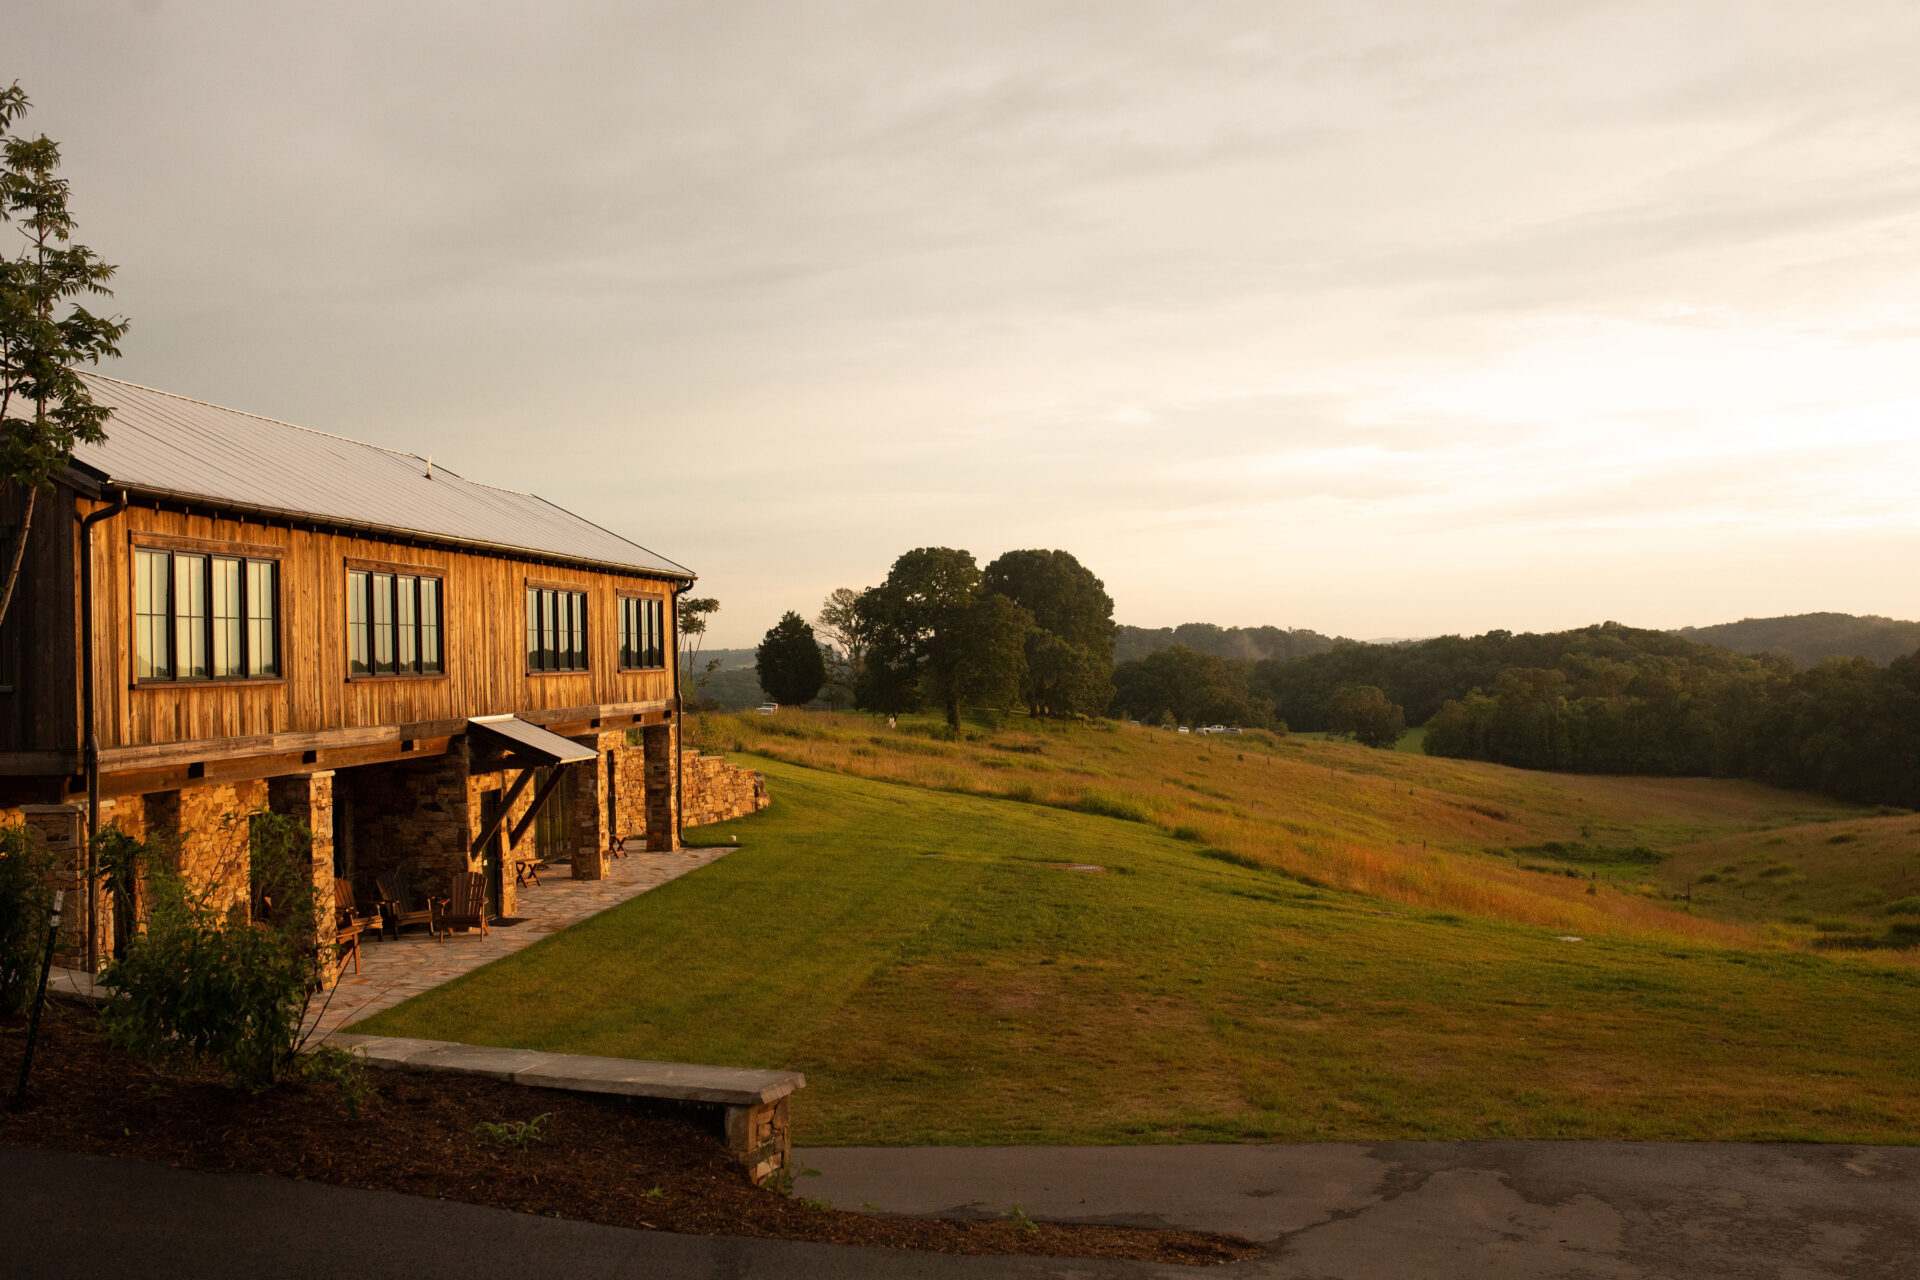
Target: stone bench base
x=753 y=1103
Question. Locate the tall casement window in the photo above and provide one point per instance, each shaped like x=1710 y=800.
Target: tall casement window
x=556 y=629
x=393 y=624
x=203 y=616
x=643 y=636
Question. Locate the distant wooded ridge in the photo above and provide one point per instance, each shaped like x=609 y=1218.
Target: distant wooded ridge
x=1807 y=638
x=1811 y=638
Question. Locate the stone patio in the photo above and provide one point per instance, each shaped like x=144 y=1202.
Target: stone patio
x=392 y=970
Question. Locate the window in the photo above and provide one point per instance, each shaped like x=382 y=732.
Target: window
x=393 y=624
x=201 y=617
x=556 y=629
x=643 y=637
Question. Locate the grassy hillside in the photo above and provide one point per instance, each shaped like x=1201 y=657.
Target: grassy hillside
x=1811 y=638
x=1449 y=835
x=951 y=967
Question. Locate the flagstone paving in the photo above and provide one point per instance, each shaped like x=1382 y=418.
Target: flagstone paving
x=393 y=970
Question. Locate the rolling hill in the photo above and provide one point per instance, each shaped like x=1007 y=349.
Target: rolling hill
x=1811 y=638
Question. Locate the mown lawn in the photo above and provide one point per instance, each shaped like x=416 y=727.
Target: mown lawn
x=938 y=974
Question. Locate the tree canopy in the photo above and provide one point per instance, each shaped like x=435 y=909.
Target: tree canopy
x=936 y=635
x=1068 y=653
x=788 y=662
x=45 y=407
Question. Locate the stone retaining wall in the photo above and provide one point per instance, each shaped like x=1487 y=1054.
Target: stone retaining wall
x=711 y=790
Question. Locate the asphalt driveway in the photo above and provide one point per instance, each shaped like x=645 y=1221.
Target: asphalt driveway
x=1503 y=1209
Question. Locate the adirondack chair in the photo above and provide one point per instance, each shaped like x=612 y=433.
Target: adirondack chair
x=349 y=921
x=465 y=908
x=398 y=906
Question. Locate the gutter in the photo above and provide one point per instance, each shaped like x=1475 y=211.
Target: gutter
x=91 y=748
x=679 y=721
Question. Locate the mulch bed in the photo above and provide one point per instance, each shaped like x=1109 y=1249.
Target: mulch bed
x=599 y=1158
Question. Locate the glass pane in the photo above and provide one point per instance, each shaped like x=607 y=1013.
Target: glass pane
x=549 y=632
x=629 y=632
x=190 y=617
x=152 y=658
x=579 y=662
x=359 y=634
x=383 y=624
x=533 y=630
x=227 y=662
x=429 y=624
x=407 y=602
x=263 y=609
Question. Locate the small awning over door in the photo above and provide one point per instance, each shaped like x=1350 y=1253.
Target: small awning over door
x=530 y=741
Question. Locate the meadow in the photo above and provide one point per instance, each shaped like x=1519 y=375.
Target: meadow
x=1115 y=958
x=1516 y=844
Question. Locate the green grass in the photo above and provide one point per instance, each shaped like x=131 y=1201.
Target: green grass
x=923 y=956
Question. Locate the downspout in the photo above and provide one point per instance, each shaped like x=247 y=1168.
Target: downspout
x=679 y=720
x=92 y=746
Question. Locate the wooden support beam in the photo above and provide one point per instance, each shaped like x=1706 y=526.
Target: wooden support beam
x=500 y=815
x=539 y=799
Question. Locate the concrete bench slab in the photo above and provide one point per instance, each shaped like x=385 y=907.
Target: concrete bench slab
x=754 y=1102
x=733 y=1086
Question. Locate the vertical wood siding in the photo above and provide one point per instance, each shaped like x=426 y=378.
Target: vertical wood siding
x=484 y=638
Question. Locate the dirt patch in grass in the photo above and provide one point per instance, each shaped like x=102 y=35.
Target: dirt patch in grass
x=596 y=1158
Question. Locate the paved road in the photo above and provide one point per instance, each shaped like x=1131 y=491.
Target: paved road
x=1436 y=1209
x=1429 y=1210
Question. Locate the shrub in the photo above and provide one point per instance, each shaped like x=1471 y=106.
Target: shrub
x=205 y=985
x=26 y=898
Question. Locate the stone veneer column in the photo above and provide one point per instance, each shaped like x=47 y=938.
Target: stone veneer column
x=593 y=804
x=62 y=831
x=308 y=798
x=663 y=832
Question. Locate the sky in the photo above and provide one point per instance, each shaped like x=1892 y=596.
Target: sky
x=1390 y=319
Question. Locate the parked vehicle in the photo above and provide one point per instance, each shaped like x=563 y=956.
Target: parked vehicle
x=767 y=708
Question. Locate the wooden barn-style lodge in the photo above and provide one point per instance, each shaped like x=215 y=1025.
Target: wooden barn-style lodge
x=220 y=614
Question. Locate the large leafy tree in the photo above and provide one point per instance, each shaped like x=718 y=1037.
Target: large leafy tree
x=1069 y=654
x=1362 y=712
x=45 y=408
x=935 y=633
x=839 y=623
x=788 y=662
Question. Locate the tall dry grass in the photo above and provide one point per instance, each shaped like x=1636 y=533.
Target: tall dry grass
x=1406 y=829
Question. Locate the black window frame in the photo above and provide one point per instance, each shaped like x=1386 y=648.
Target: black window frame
x=643 y=632
x=559 y=623
x=245 y=616
x=403 y=655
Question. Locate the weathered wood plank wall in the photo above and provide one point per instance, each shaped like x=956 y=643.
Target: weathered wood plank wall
x=484 y=638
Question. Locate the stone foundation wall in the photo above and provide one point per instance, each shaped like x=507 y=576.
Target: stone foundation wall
x=413 y=817
x=712 y=790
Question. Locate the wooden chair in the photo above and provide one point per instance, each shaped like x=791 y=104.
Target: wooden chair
x=397 y=904
x=466 y=908
x=349 y=921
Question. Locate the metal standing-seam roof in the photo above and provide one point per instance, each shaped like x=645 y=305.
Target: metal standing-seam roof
x=168 y=446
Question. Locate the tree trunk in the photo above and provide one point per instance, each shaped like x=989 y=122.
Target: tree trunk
x=19 y=552
x=953 y=713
